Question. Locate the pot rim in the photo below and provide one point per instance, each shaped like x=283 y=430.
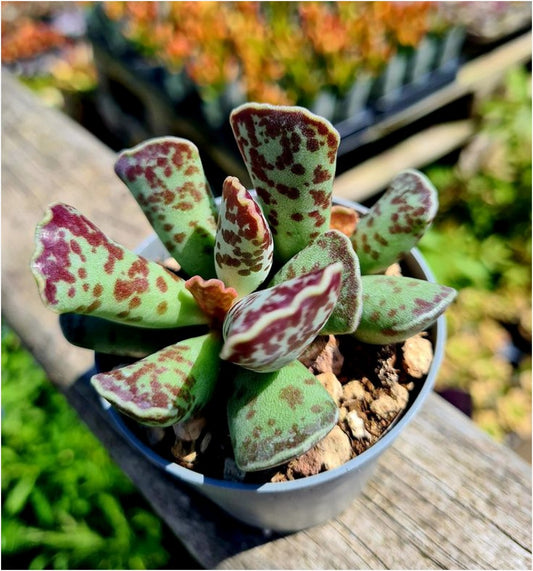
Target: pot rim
x=197 y=479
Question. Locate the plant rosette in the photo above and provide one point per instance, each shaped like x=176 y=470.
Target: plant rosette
x=277 y=294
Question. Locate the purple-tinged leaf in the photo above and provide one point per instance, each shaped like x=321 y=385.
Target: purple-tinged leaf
x=276 y=416
x=268 y=329
x=396 y=308
x=396 y=222
x=291 y=155
x=332 y=246
x=213 y=298
x=244 y=247
x=166 y=177
x=78 y=269
x=168 y=386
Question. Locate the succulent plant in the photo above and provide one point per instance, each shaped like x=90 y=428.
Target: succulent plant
x=261 y=277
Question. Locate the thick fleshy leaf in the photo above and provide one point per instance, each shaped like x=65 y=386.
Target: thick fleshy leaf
x=244 y=246
x=396 y=308
x=276 y=416
x=78 y=269
x=168 y=386
x=396 y=222
x=291 y=155
x=114 y=338
x=332 y=246
x=268 y=329
x=166 y=177
x=213 y=297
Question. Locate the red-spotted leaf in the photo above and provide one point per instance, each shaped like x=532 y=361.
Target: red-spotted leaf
x=396 y=222
x=396 y=308
x=168 y=386
x=78 y=269
x=330 y=247
x=291 y=155
x=276 y=416
x=244 y=247
x=268 y=329
x=166 y=177
x=213 y=297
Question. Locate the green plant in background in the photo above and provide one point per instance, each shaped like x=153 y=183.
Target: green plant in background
x=266 y=276
x=65 y=503
x=481 y=243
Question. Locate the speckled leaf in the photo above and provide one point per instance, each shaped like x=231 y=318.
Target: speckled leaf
x=395 y=308
x=168 y=386
x=244 y=246
x=270 y=328
x=78 y=269
x=330 y=247
x=166 y=177
x=114 y=338
x=396 y=222
x=291 y=155
x=276 y=416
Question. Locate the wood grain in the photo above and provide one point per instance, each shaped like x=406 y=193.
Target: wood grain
x=445 y=495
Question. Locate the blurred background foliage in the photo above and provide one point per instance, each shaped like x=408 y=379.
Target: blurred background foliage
x=65 y=504
x=481 y=244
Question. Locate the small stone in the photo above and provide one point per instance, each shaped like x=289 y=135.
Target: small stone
x=279 y=477
x=330 y=382
x=385 y=407
x=311 y=352
x=330 y=359
x=386 y=370
x=400 y=394
x=394 y=270
x=357 y=426
x=417 y=355
x=332 y=451
x=190 y=430
x=354 y=390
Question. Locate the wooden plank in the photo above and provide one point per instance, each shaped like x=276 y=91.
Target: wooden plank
x=364 y=180
x=437 y=498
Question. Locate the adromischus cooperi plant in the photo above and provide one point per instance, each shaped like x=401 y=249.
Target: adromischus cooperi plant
x=266 y=273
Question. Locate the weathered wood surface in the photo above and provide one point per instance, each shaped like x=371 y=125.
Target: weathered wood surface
x=445 y=495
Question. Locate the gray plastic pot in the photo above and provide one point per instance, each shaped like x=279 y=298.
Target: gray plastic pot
x=298 y=504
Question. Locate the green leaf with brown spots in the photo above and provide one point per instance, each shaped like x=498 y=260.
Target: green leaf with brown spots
x=332 y=246
x=244 y=246
x=168 y=386
x=396 y=308
x=166 y=177
x=396 y=222
x=78 y=269
x=274 y=417
x=291 y=155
